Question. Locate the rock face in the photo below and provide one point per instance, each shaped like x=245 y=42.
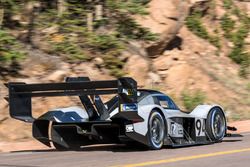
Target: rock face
x=137 y=67
x=248 y=8
x=167 y=60
x=163 y=63
x=57 y=76
x=165 y=20
x=154 y=79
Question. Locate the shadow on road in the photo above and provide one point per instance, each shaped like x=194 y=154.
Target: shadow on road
x=125 y=148
x=234 y=135
x=230 y=138
x=103 y=147
x=231 y=141
x=8 y=165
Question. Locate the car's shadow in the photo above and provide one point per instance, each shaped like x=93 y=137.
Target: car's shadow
x=103 y=147
x=231 y=138
x=234 y=135
x=127 y=148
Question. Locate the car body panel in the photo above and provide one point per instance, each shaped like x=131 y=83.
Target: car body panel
x=66 y=115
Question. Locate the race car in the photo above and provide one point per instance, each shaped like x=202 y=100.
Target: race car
x=143 y=116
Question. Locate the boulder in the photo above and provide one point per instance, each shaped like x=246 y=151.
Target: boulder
x=165 y=19
x=162 y=63
x=98 y=61
x=153 y=78
x=167 y=60
x=56 y=76
x=90 y=70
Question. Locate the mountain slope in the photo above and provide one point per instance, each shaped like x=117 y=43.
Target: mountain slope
x=181 y=61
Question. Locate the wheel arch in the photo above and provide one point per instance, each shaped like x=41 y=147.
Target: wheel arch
x=202 y=111
x=216 y=106
x=160 y=112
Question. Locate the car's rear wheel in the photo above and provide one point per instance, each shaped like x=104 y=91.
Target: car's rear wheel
x=216 y=124
x=156 y=130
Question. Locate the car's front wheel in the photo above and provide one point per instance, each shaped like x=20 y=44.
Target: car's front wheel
x=216 y=124
x=156 y=130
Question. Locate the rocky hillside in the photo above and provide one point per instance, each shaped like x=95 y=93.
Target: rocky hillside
x=197 y=51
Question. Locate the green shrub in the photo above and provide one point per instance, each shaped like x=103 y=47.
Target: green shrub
x=245 y=66
x=227 y=24
x=104 y=43
x=114 y=64
x=10 y=49
x=128 y=28
x=195 y=25
x=125 y=25
x=238 y=53
x=215 y=40
x=129 y=6
x=227 y=4
x=78 y=42
x=191 y=100
x=238 y=37
x=70 y=50
x=248 y=86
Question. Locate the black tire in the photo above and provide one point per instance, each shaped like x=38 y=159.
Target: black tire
x=216 y=124
x=156 y=130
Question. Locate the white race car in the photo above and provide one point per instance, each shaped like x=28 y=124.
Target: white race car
x=144 y=116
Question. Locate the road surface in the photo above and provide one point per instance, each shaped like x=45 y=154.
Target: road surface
x=233 y=151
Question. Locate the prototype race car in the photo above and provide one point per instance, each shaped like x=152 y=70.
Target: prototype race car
x=145 y=116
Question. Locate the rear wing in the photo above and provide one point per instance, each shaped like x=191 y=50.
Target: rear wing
x=20 y=95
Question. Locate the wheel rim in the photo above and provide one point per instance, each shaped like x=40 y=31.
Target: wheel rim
x=218 y=124
x=156 y=131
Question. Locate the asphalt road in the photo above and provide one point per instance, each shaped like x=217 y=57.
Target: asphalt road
x=233 y=151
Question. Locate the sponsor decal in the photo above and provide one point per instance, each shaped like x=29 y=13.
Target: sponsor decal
x=128 y=92
x=129 y=107
x=130 y=128
x=180 y=132
x=200 y=127
x=176 y=130
x=97 y=98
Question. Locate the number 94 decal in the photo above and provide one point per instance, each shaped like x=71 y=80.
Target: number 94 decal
x=200 y=127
